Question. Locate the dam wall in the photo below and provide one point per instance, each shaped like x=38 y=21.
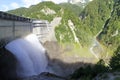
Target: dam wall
x=12 y=27
x=42 y=29
x=10 y=30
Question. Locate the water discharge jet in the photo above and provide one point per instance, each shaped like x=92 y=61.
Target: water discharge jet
x=30 y=55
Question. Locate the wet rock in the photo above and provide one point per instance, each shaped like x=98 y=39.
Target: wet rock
x=108 y=76
x=7 y=65
x=44 y=76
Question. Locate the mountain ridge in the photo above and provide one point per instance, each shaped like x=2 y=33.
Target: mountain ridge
x=92 y=18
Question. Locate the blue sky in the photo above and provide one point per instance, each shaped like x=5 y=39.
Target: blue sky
x=13 y=4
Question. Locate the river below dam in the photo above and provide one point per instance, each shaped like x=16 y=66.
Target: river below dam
x=32 y=60
x=35 y=62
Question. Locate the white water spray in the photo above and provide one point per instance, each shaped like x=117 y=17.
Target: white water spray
x=30 y=55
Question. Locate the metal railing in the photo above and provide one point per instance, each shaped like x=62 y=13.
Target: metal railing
x=8 y=16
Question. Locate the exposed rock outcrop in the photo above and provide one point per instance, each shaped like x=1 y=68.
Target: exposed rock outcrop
x=108 y=76
x=44 y=76
x=48 y=11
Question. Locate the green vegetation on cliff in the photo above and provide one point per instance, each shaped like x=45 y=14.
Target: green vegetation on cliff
x=91 y=72
x=115 y=60
x=43 y=10
x=93 y=17
x=95 y=14
x=67 y=12
x=63 y=31
x=110 y=36
x=20 y=11
x=72 y=7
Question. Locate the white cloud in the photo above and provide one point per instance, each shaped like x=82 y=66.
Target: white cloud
x=28 y=3
x=57 y=1
x=14 y=5
x=25 y=3
x=4 y=8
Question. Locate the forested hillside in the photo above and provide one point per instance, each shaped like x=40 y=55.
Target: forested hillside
x=98 y=15
x=95 y=14
x=44 y=10
x=72 y=7
x=48 y=11
x=110 y=36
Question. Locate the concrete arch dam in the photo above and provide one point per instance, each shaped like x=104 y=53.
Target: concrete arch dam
x=12 y=27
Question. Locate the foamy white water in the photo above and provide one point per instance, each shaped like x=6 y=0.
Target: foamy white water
x=30 y=55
